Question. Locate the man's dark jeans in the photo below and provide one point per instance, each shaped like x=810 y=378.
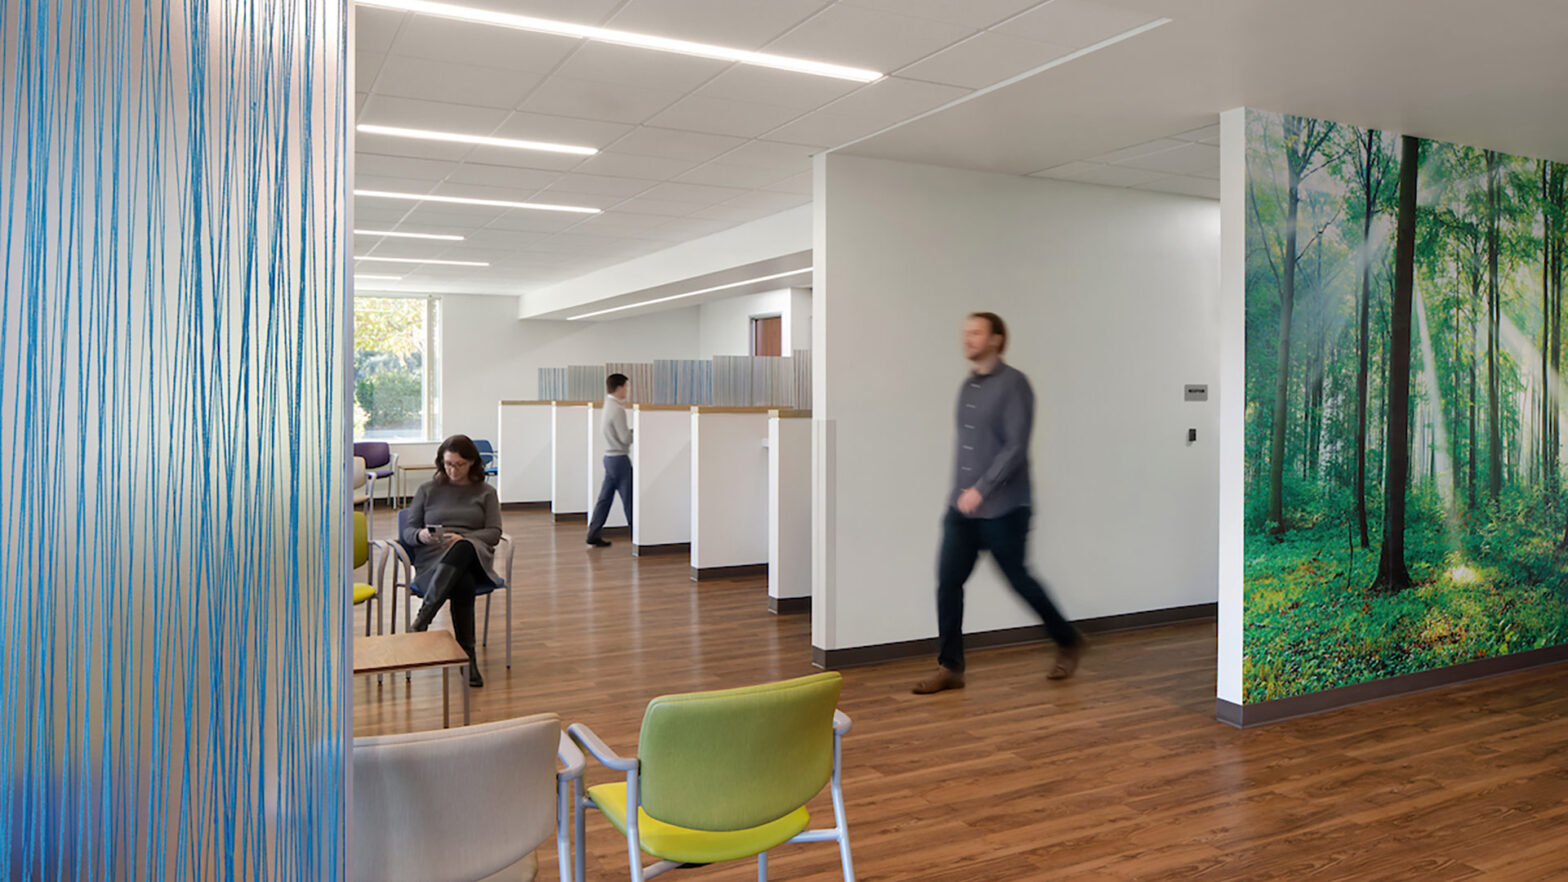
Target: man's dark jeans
x=1007 y=538
x=617 y=479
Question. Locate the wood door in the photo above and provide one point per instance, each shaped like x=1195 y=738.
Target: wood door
x=767 y=336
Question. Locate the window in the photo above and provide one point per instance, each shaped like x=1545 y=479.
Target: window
x=394 y=368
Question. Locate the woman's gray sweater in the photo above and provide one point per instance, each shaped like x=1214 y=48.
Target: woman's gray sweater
x=470 y=510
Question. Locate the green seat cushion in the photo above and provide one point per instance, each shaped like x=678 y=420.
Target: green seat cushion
x=684 y=845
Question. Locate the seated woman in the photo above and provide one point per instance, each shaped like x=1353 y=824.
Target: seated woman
x=453 y=525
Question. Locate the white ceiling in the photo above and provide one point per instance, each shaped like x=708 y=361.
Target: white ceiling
x=689 y=146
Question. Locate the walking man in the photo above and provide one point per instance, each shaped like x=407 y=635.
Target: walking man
x=617 y=459
x=991 y=503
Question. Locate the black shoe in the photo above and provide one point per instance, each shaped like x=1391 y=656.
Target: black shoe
x=442 y=578
x=475 y=679
x=598 y=543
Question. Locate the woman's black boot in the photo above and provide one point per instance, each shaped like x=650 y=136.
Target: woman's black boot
x=443 y=578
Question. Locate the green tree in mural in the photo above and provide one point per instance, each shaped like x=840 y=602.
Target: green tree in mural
x=1371 y=167
x=1304 y=138
x=1392 y=575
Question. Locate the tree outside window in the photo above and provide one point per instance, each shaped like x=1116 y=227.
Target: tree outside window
x=394 y=388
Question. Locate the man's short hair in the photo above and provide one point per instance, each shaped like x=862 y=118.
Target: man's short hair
x=998 y=327
x=614 y=382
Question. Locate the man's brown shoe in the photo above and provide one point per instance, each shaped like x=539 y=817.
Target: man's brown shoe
x=943 y=680
x=1067 y=660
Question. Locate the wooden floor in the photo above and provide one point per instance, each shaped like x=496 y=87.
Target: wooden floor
x=1119 y=773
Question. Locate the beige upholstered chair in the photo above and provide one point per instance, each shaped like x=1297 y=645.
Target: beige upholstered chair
x=461 y=805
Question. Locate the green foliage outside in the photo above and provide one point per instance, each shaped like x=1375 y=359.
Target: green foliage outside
x=1483 y=570
x=389 y=367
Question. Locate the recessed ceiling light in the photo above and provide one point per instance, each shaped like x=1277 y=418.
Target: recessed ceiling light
x=628 y=38
x=441 y=236
x=360 y=276
x=459 y=138
x=423 y=260
x=460 y=200
x=690 y=294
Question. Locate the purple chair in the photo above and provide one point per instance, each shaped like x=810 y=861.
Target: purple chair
x=380 y=464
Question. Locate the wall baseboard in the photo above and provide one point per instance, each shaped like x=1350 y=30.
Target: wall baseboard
x=882 y=652
x=789 y=605
x=1245 y=716
x=570 y=517
x=746 y=571
x=525 y=506
x=667 y=548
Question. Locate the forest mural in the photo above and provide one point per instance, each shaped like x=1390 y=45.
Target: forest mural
x=1404 y=477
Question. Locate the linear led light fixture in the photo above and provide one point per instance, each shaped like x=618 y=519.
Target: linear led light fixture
x=690 y=294
x=629 y=38
x=439 y=236
x=423 y=260
x=485 y=140
x=463 y=200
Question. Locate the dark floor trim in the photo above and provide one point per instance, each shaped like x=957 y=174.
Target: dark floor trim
x=617 y=532
x=707 y=574
x=571 y=517
x=667 y=548
x=869 y=655
x=789 y=605
x=1264 y=712
x=525 y=506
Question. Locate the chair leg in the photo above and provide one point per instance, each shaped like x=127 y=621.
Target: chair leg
x=762 y=867
x=485 y=640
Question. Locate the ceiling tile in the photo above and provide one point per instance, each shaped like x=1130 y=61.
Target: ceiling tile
x=1145 y=149
x=376 y=29
x=624 y=165
x=407 y=77
x=721 y=116
x=983 y=60
x=1185 y=186
x=640 y=225
x=561 y=129
x=974 y=13
x=686 y=228
x=894 y=100
x=732 y=213
x=699 y=194
x=694 y=147
x=386 y=110
x=536 y=159
x=379 y=212
x=1189 y=159
x=860 y=37
x=518 y=179
x=1068 y=171
x=367 y=65
x=1116 y=176
x=742 y=24
x=535 y=221
x=776 y=87
x=409 y=167
x=508 y=239
x=591 y=99
x=600 y=185
x=723 y=174
x=824 y=129
x=649 y=205
x=801 y=184
x=772 y=202
x=628 y=65
x=444 y=39
x=1075 y=23
x=770 y=154
x=591 y=12
x=396 y=185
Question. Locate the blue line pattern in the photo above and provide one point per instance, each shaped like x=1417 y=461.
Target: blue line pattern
x=174 y=600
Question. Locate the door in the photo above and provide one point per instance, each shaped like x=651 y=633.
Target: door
x=767 y=336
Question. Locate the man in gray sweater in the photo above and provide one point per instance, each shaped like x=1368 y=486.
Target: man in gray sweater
x=990 y=504
x=617 y=459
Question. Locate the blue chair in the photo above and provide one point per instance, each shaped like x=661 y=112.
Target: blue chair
x=489 y=457
x=403 y=575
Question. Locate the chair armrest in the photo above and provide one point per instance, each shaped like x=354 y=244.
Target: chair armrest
x=394 y=463
x=506 y=538
x=601 y=751
x=571 y=758
x=841 y=722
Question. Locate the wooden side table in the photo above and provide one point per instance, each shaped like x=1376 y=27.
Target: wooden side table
x=402 y=476
x=421 y=649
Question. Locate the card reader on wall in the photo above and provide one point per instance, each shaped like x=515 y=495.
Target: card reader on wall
x=1192 y=436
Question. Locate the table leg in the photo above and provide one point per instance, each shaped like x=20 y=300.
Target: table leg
x=463 y=672
x=446 y=700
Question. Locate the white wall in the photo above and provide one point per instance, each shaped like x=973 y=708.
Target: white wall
x=729 y=489
x=488 y=354
x=726 y=324
x=789 y=507
x=1112 y=299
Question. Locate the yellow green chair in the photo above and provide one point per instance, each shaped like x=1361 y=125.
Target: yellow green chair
x=364 y=592
x=723 y=776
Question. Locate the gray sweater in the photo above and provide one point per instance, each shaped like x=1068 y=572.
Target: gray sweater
x=471 y=510
x=617 y=435
x=995 y=419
